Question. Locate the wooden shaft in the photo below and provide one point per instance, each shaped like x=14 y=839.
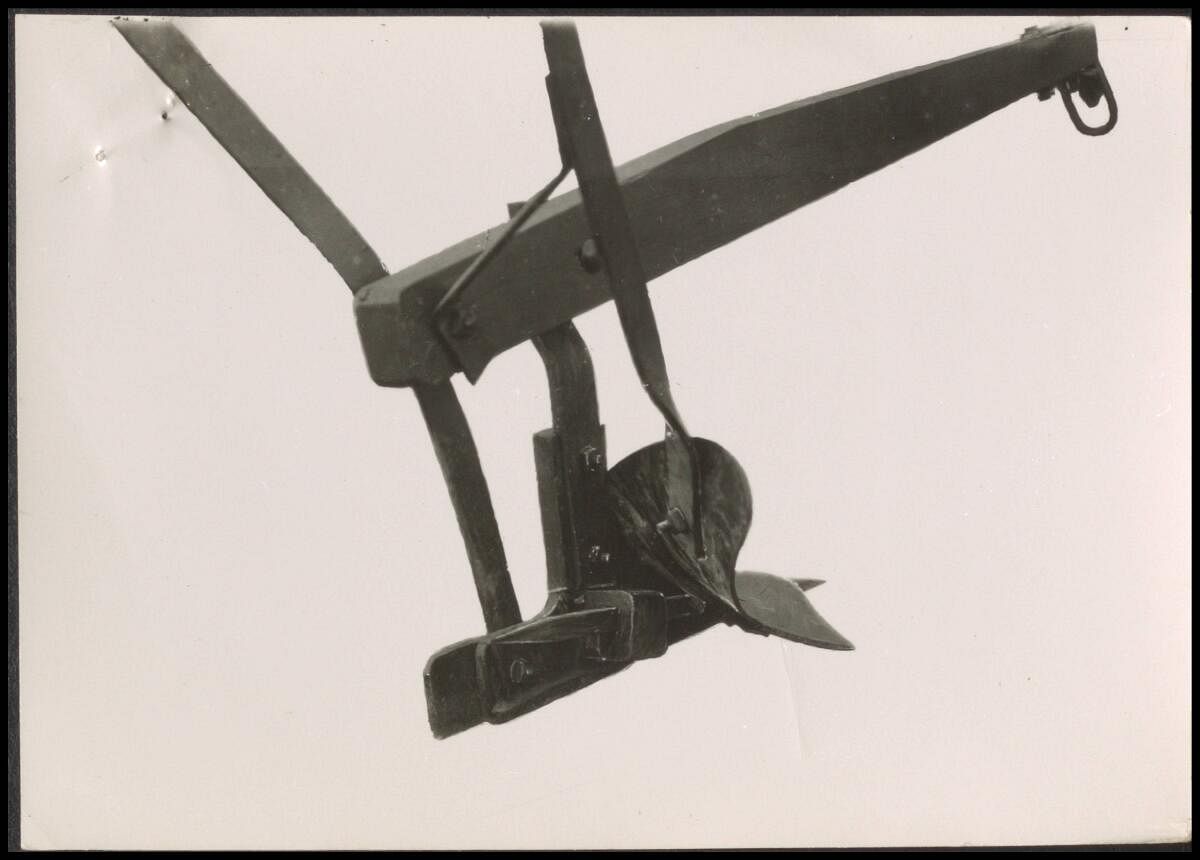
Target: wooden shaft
x=695 y=195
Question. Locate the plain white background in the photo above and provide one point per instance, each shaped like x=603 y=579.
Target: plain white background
x=960 y=388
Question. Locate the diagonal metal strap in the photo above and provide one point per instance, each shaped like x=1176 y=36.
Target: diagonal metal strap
x=230 y=120
x=576 y=116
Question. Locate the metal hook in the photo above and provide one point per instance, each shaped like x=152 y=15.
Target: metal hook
x=1091 y=84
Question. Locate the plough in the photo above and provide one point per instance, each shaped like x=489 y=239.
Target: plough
x=642 y=554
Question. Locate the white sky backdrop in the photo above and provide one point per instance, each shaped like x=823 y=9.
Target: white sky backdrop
x=960 y=389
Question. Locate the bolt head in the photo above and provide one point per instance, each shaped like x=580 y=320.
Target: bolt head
x=593 y=458
x=459 y=321
x=675 y=523
x=519 y=670
x=589 y=257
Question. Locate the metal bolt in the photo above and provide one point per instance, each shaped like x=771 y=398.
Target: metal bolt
x=674 y=524
x=593 y=459
x=459 y=321
x=519 y=670
x=589 y=257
